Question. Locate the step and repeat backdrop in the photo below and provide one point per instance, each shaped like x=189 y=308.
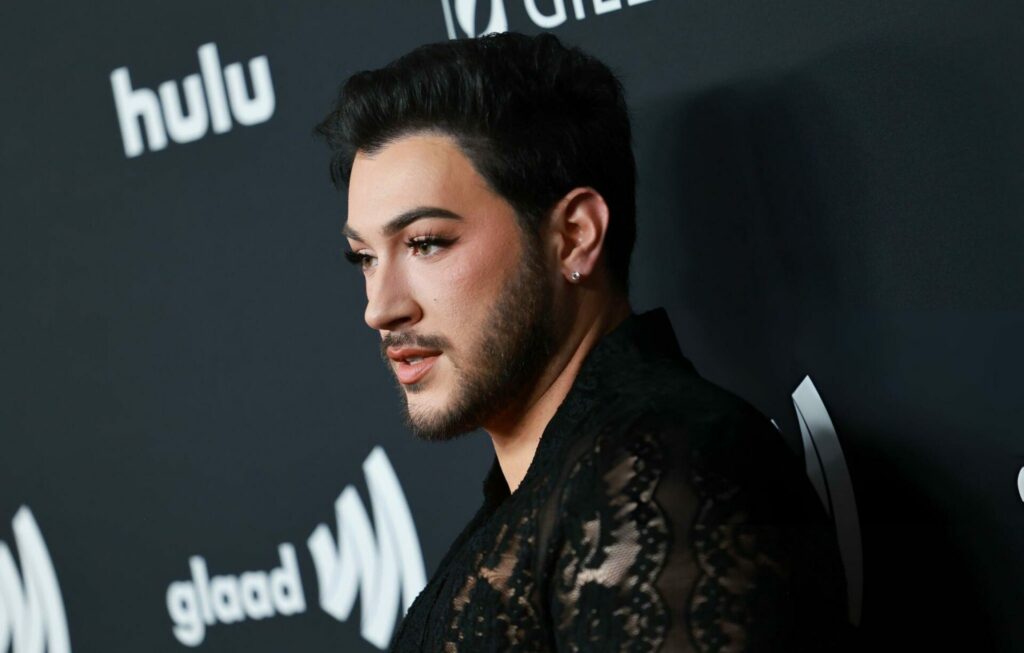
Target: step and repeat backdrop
x=201 y=450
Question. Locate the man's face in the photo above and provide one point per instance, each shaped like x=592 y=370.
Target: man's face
x=461 y=298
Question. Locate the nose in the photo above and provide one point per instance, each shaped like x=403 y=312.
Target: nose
x=390 y=305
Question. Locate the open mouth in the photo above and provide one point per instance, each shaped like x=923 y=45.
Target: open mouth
x=412 y=365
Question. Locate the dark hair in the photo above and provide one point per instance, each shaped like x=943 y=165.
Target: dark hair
x=535 y=118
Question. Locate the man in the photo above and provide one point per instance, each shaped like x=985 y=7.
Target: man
x=632 y=505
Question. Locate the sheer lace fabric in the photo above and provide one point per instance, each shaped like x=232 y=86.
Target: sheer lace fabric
x=660 y=514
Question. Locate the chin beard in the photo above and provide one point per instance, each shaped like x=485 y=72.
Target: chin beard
x=516 y=345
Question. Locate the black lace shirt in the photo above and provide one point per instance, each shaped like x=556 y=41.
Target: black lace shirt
x=660 y=513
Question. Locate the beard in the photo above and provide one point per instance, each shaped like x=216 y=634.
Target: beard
x=514 y=347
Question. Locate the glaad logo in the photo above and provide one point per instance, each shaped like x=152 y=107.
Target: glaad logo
x=381 y=567
x=201 y=602
x=460 y=16
x=826 y=468
x=206 y=88
x=32 y=618
x=377 y=567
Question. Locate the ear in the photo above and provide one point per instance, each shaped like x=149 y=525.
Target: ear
x=580 y=222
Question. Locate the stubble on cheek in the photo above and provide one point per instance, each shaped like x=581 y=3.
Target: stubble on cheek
x=473 y=286
x=489 y=305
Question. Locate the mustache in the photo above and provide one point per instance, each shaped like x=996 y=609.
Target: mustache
x=406 y=339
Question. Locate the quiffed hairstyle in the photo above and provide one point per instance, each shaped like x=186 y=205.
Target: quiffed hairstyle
x=535 y=118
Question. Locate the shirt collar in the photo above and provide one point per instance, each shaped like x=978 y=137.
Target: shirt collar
x=640 y=338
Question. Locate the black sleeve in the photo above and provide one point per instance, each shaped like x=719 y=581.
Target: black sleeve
x=666 y=544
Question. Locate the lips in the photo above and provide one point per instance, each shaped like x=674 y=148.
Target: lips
x=412 y=363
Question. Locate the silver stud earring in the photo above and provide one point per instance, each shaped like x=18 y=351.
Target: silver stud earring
x=575 y=276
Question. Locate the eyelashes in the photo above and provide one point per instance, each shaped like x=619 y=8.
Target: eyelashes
x=425 y=246
x=420 y=243
x=356 y=258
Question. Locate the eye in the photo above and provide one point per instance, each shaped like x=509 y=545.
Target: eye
x=427 y=245
x=361 y=259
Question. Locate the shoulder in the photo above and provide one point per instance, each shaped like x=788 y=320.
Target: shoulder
x=706 y=439
x=678 y=478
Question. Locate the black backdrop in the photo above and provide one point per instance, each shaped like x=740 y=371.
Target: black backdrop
x=827 y=189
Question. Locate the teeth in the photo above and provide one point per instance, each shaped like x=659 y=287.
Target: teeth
x=413 y=360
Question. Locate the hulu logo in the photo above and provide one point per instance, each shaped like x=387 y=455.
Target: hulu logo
x=216 y=97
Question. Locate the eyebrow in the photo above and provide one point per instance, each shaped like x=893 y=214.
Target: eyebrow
x=403 y=220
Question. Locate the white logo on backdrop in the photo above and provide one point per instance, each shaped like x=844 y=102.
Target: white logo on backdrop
x=826 y=467
x=379 y=568
x=212 y=96
x=227 y=599
x=384 y=567
x=32 y=618
x=460 y=16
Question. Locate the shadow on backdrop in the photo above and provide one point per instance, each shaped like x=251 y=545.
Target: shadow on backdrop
x=817 y=209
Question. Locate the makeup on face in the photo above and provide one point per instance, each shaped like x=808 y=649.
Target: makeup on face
x=437 y=249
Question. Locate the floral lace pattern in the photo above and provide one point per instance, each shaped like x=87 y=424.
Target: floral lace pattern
x=636 y=530
x=734 y=560
x=614 y=548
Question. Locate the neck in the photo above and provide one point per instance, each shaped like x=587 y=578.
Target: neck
x=516 y=436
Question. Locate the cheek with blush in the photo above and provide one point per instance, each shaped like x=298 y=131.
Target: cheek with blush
x=461 y=288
